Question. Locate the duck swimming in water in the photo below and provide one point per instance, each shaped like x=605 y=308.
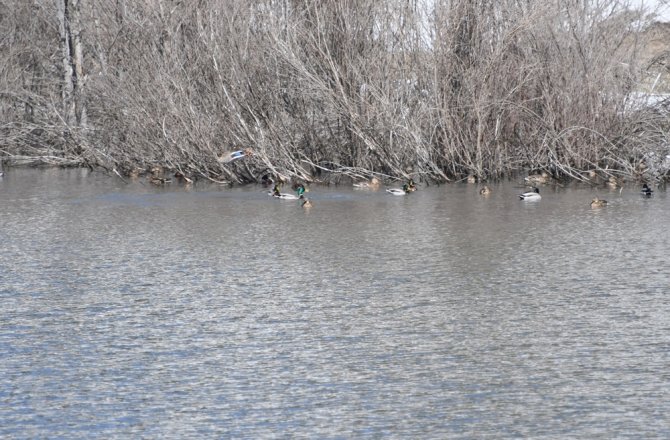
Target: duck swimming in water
x=542 y=177
x=411 y=186
x=531 y=195
x=598 y=203
x=299 y=188
x=485 y=191
x=284 y=196
x=306 y=203
x=276 y=192
x=399 y=191
x=646 y=191
x=371 y=184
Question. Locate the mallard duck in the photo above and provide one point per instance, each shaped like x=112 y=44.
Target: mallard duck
x=598 y=203
x=372 y=184
x=157 y=176
x=299 y=188
x=134 y=173
x=276 y=192
x=646 y=191
x=411 y=186
x=399 y=191
x=230 y=156
x=542 y=177
x=531 y=195
x=284 y=196
x=306 y=203
x=613 y=182
x=485 y=191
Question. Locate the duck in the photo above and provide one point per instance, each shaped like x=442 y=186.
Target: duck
x=485 y=191
x=230 y=156
x=542 y=177
x=157 y=176
x=646 y=191
x=598 y=203
x=134 y=173
x=399 y=191
x=531 y=195
x=306 y=203
x=371 y=184
x=411 y=186
x=283 y=196
x=299 y=188
x=280 y=195
x=613 y=182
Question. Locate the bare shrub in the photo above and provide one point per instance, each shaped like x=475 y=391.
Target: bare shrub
x=439 y=90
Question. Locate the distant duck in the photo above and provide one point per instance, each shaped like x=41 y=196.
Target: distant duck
x=230 y=156
x=598 y=203
x=283 y=196
x=276 y=192
x=134 y=173
x=399 y=191
x=542 y=177
x=299 y=188
x=371 y=184
x=411 y=186
x=531 y=195
x=157 y=176
x=613 y=182
x=306 y=203
x=646 y=191
x=485 y=191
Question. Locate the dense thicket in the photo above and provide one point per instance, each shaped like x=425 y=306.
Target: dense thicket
x=437 y=89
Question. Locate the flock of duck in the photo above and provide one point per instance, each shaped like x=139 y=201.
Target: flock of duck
x=544 y=177
x=410 y=186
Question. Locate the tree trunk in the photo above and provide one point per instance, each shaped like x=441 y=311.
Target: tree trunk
x=74 y=108
x=67 y=93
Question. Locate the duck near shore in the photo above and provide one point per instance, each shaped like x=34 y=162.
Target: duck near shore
x=613 y=182
x=538 y=178
x=157 y=176
x=373 y=183
x=598 y=203
x=485 y=191
x=646 y=191
x=531 y=195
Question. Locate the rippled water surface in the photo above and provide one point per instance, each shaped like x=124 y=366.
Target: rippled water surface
x=135 y=311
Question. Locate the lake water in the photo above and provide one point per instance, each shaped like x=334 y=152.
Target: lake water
x=133 y=311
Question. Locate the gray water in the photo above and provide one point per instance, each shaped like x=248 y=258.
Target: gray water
x=132 y=311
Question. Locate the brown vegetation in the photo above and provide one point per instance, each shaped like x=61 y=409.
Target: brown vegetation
x=358 y=88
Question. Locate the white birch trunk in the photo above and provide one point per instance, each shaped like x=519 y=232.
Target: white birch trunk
x=67 y=93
